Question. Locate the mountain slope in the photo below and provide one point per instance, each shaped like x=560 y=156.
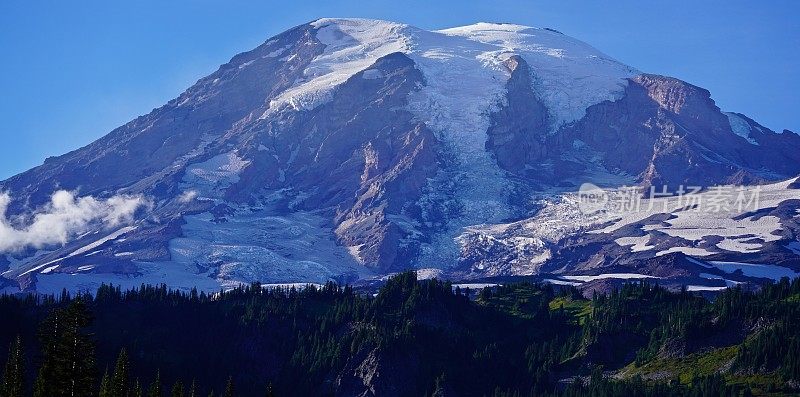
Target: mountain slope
x=348 y=149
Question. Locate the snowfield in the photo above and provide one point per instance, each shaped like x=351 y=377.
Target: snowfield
x=756 y=270
x=571 y=75
x=619 y=276
x=700 y=231
x=740 y=127
x=695 y=219
x=255 y=244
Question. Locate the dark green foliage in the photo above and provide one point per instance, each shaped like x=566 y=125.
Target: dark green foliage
x=422 y=336
x=229 y=389
x=105 y=385
x=137 y=391
x=599 y=386
x=177 y=389
x=14 y=373
x=119 y=382
x=155 y=387
x=68 y=363
x=775 y=345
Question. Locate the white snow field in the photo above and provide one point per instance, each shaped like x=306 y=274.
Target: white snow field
x=209 y=178
x=694 y=219
x=739 y=230
x=571 y=75
x=756 y=270
x=255 y=244
x=740 y=127
x=290 y=251
x=618 y=276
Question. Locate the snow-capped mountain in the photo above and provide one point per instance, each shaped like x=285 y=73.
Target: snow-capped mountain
x=348 y=149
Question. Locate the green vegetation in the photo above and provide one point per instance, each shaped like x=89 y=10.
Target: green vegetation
x=685 y=369
x=578 y=309
x=413 y=338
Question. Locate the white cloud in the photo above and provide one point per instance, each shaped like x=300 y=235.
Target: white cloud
x=64 y=217
x=187 y=196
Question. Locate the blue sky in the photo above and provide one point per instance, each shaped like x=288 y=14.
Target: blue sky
x=70 y=72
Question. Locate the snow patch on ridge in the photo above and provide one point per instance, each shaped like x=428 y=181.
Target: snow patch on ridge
x=739 y=234
x=208 y=178
x=637 y=243
x=740 y=127
x=82 y=250
x=570 y=74
x=351 y=45
x=619 y=276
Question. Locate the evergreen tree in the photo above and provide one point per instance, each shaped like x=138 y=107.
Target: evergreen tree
x=105 y=385
x=75 y=371
x=229 y=390
x=177 y=389
x=119 y=381
x=193 y=389
x=155 y=387
x=438 y=388
x=40 y=386
x=137 y=389
x=49 y=331
x=13 y=376
x=68 y=366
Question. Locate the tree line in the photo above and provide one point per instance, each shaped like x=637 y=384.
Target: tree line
x=414 y=337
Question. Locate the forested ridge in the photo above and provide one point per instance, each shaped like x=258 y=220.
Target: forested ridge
x=412 y=338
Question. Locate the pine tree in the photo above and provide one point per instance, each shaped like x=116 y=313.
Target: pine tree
x=13 y=376
x=49 y=331
x=177 y=389
x=119 y=382
x=193 y=389
x=68 y=366
x=438 y=388
x=137 y=389
x=155 y=387
x=75 y=371
x=229 y=388
x=40 y=386
x=105 y=385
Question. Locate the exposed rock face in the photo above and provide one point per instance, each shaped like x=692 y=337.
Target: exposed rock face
x=662 y=130
x=350 y=149
x=369 y=160
x=379 y=373
x=519 y=133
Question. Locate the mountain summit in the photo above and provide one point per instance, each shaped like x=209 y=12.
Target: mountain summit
x=349 y=149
